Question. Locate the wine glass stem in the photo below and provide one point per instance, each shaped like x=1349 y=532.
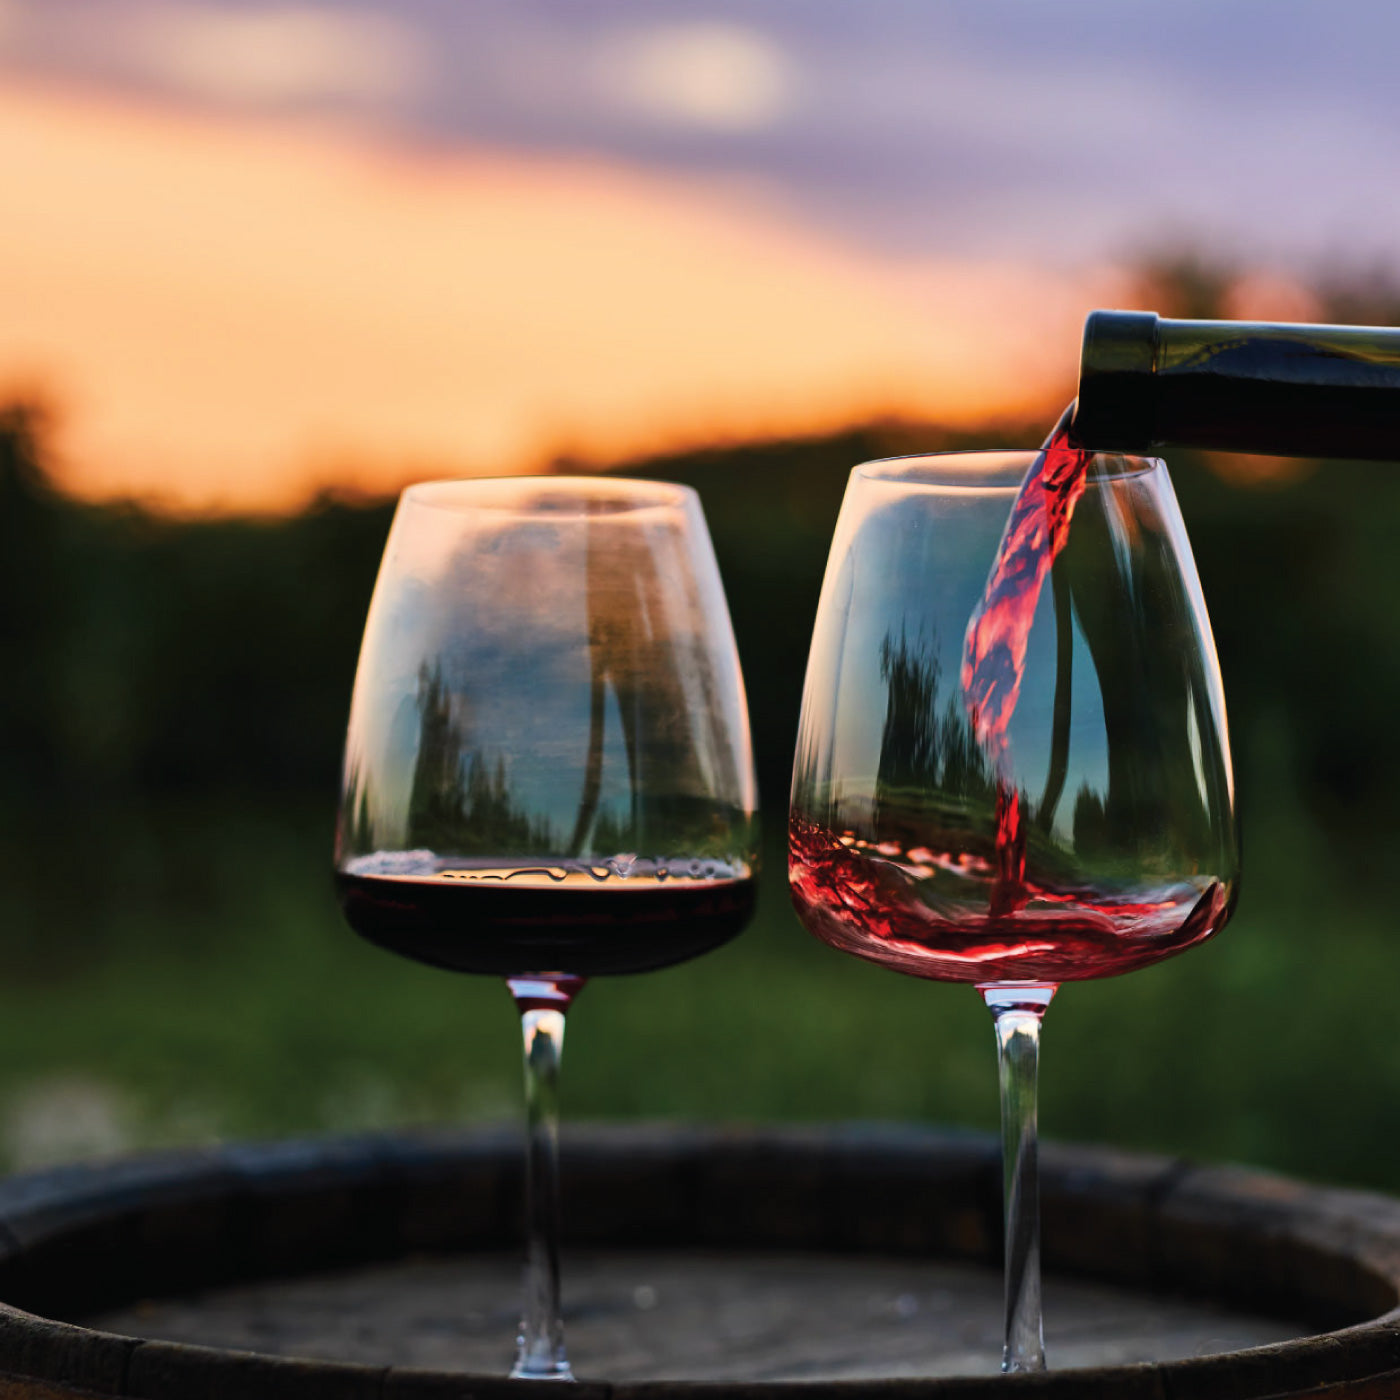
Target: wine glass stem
x=1017 y=1013
x=540 y=1353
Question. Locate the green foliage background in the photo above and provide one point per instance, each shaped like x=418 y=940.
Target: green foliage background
x=175 y=968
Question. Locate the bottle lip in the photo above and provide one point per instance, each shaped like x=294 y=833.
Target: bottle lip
x=1117 y=402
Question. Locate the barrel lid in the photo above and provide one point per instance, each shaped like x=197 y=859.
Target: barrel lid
x=77 y=1239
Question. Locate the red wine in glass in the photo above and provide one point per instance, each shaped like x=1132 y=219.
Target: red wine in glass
x=869 y=901
x=505 y=921
x=867 y=896
x=548 y=774
x=1007 y=783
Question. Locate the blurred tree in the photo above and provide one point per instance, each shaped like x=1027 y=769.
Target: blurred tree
x=35 y=604
x=1360 y=297
x=1183 y=283
x=149 y=657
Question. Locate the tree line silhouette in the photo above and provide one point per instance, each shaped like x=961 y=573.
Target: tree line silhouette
x=149 y=658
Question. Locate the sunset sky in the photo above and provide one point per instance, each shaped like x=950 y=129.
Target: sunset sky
x=254 y=249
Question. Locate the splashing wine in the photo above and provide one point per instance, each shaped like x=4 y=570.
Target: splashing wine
x=873 y=901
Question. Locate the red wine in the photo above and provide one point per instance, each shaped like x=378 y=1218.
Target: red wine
x=994 y=653
x=548 y=919
x=877 y=901
x=994 y=650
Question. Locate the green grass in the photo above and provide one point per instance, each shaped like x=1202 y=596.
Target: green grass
x=215 y=993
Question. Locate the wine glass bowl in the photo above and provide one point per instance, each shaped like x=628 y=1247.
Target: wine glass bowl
x=547 y=766
x=547 y=770
x=1119 y=845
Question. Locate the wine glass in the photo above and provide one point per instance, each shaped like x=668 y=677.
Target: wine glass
x=1010 y=784
x=548 y=773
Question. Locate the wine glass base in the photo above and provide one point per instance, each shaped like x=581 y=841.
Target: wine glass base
x=1016 y=1366
x=531 y=1369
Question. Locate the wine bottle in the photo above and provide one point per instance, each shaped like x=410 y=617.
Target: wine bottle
x=1238 y=386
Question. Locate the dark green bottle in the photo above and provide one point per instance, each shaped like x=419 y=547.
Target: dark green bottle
x=1238 y=386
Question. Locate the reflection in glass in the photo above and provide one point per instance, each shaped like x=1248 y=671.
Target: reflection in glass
x=547 y=771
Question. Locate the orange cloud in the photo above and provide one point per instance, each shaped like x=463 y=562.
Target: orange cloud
x=230 y=314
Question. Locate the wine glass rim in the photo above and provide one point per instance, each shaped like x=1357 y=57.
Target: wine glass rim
x=986 y=469
x=525 y=494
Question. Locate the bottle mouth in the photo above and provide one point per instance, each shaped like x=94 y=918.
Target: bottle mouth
x=1117 y=406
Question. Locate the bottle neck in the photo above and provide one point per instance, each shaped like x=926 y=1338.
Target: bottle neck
x=1287 y=390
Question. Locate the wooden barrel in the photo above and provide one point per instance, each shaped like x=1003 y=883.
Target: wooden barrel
x=243 y=1227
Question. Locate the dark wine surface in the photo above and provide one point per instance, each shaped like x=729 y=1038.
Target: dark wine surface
x=889 y=905
x=515 y=921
